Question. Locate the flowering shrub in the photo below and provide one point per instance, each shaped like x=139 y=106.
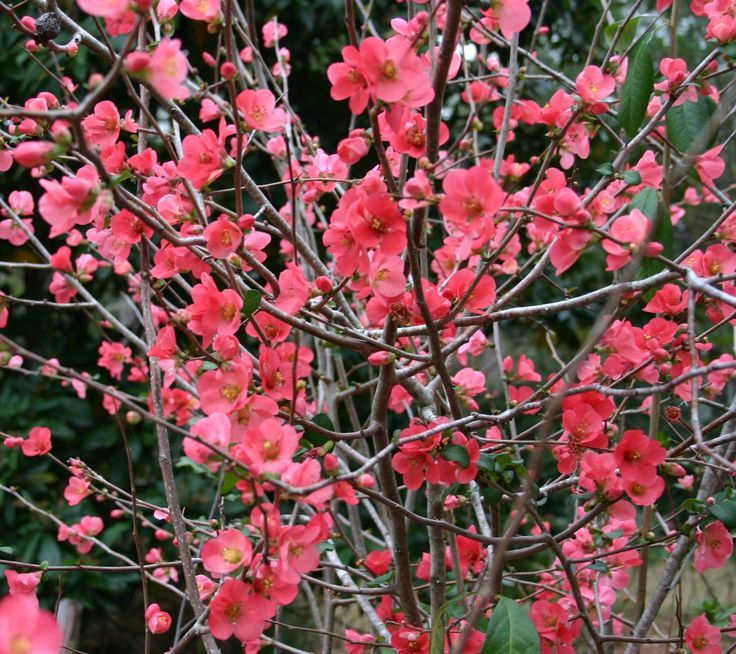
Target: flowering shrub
x=339 y=346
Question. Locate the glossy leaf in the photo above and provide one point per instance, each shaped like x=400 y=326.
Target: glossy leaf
x=511 y=631
x=637 y=88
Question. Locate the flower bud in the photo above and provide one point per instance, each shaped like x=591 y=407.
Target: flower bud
x=323 y=283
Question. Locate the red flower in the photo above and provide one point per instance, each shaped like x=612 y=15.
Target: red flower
x=226 y=553
x=638 y=456
x=27 y=629
x=702 y=637
x=237 y=610
x=715 y=546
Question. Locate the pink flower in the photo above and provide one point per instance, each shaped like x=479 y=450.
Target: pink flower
x=594 y=85
x=166 y=350
x=554 y=626
x=355 y=637
x=512 y=15
x=23 y=583
x=376 y=222
x=30 y=154
x=670 y=300
x=638 y=456
x=168 y=68
x=294 y=290
x=205 y=586
x=268 y=447
x=348 y=81
x=226 y=553
x=206 y=10
x=379 y=561
x=237 y=610
x=204 y=159
x=393 y=71
x=260 y=112
x=102 y=128
x=225 y=390
x=715 y=546
x=386 y=275
x=113 y=357
x=38 y=442
x=710 y=165
x=27 y=629
x=298 y=551
x=214 y=311
x=632 y=230
x=644 y=495
x=479 y=299
x=223 y=237
x=73 y=201
x=702 y=637
x=214 y=430
x=273 y=31
x=76 y=490
x=104 y=8
x=470 y=195
x=158 y=621
x=410 y=640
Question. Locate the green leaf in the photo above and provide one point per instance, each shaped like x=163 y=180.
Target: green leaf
x=631 y=177
x=605 y=169
x=637 y=88
x=251 y=301
x=228 y=482
x=511 y=631
x=628 y=34
x=457 y=454
x=314 y=437
x=437 y=637
x=664 y=234
x=487 y=463
x=646 y=201
x=687 y=123
x=725 y=511
x=122 y=177
x=380 y=581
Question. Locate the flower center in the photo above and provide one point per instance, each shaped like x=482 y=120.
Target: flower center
x=229 y=311
x=233 y=611
x=231 y=392
x=388 y=70
x=232 y=555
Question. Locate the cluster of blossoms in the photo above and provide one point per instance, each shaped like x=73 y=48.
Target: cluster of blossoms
x=258 y=327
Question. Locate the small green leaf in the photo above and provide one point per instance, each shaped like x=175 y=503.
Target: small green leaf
x=122 y=177
x=637 y=88
x=605 y=169
x=314 y=437
x=228 y=483
x=487 y=463
x=380 y=581
x=251 y=302
x=437 y=637
x=665 y=235
x=725 y=511
x=457 y=454
x=686 y=124
x=631 y=177
x=599 y=566
x=511 y=631
x=628 y=34
x=646 y=201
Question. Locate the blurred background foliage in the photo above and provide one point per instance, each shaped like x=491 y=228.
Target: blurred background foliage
x=82 y=427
